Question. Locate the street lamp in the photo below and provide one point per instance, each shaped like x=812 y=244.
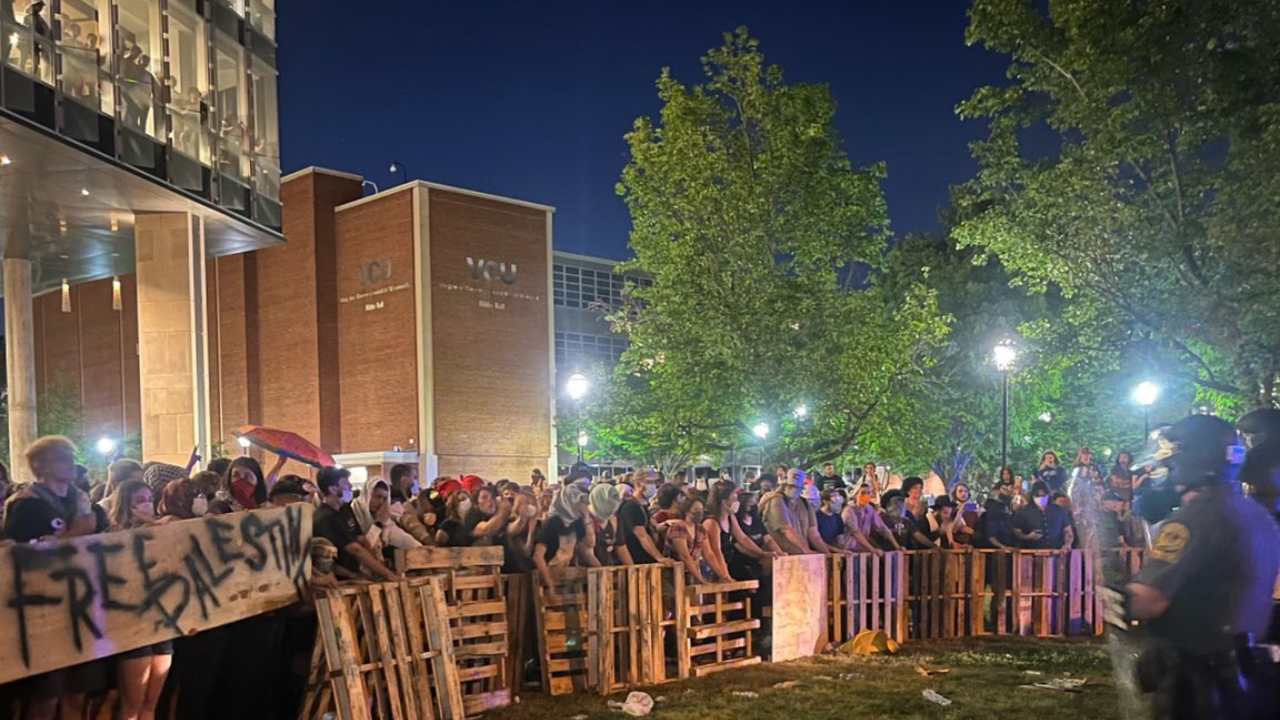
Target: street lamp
x=1005 y=355
x=1145 y=394
x=802 y=411
x=106 y=445
x=761 y=430
x=398 y=167
x=577 y=386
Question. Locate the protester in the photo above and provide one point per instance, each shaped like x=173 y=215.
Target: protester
x=178 y=500
x=830 y=524
x=335 y=521
x=51 y=507
x=687 y=543
x=871 y=478
x=487 y=519
x=901 y=523
x=603 y=503
x=863 y=524
x=1115 y=526
x=995 y=526
x=521 y=528
x=453 y=530
x=1042 y=525
x=244 y=486
x=917 y=508
x=560 y=540
x=829 y=480
x=288 y=490
x=375 y=515
x=792 y=520
x=727 y=545
x=1120 y=478
x=668 y=496
x=638 y=540
x=945 y=525
x=1050 y=472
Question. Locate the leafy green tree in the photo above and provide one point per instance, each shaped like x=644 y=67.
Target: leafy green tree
x=758 y=233
x=1132 y=165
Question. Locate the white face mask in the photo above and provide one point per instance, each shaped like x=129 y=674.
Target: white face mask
x=529 y=511
x=734 y=507
x=346 y=495
x=397 y=510
x=199 y=506
x=836 y=504
x=145 y=510
x=464 y=507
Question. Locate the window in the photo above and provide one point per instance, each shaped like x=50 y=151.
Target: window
x=27 y=37
x=189 y=83
x=232 y=108
x=138 y=56
x=85 y=47
x=262 y=17
x=588 y=349
x=266 y=131
x=583 y=287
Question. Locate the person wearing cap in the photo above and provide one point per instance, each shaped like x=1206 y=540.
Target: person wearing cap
x=1204 y=591
x=1043 y=524
x=995 y=525
x=792 y=519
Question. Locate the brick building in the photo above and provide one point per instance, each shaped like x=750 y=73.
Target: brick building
x=411 y=325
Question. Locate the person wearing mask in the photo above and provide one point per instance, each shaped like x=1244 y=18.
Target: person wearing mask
x=668 y=496
x=560 y=541
x=862 y=522
x=830 y=524
x=901 y=524
x=1042 y=525
x=638 y=540
x=158 y=476
x=1050 y=471
x=243 y=487
x=829 y=480
x=603 y=503
x=777 y=510
x=453 y=530
x=52 y=507
x=727 y=545
x=995 y=526
x=335 y=521
x=748 y=514
x=687 y=543
x=178 y=500
x=487 y=519
x=375 y=515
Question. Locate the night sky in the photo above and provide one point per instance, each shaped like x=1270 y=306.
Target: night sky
x=531 y=99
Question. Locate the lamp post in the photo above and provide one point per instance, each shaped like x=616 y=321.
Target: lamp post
x=1146 y=394
x=577 y=385
x=1005 y=355
x=398 y=167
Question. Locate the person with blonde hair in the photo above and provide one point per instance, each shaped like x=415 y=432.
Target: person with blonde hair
x=52 y=506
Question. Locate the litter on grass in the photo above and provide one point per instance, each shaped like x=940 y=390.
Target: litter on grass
x=746 y=694
x=1034 y=672
x=850 y=676
x=823 y=677
x=578 y=717
x=787 y=685
x=1064 y=684
x=934 y=697
x=637 y=704
x=931 y=673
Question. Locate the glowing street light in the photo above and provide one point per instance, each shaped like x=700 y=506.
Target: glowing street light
x=801 y=412
x=1005 y=355
x=761 y=430
x=106 y=445
x=1145 y=395
x=583 y=439
x=243 y=442
x=577 y=386
x=1046 y=416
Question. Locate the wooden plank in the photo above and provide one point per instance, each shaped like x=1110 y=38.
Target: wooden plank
x=479 y=630
x=76 y=600
x=731 y=644
x=444 y=667
x=703 y=670
x=701 y=632
x=445 y=558
x=467 y=583
x=570 y=664
x=480 y=672
x=347 y=655
x=481 y=703
x=487 y=607
x=481 y=650
x=599 y=639
x=799 y=591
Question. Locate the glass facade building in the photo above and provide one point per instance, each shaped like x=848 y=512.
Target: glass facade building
x=183 y=91
x=584 y=290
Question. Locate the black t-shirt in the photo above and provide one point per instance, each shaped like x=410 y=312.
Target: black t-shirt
x=560 y=538
x=834 y=482
x=459 y=532
x=996 y=523
x=30 y=518
x=331 y=525
x=631 y=516
x=1052 y=523
x=473 y=519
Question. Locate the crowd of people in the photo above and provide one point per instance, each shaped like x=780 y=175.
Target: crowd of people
x=717 y=531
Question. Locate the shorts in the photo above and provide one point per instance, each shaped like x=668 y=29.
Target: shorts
x=160 y=648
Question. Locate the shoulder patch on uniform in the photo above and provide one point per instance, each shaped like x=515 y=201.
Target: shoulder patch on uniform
x=1171 y=542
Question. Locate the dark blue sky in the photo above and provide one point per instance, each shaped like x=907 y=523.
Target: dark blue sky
x=531 y=99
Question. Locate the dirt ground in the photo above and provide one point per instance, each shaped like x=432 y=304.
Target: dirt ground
x=983 y=683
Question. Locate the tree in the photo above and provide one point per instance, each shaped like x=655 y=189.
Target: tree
x=758 y=235
x=1152 y=209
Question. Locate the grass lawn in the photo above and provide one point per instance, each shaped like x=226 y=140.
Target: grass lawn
x=983 y=684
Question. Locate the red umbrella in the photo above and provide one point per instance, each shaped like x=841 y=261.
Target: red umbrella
x=286 y=444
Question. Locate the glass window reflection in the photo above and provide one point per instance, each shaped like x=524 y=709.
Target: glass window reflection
x=266 y=130
x=232 y=102
x=138 y=59
x=27 y=32
x=189 y=83
x=262 y=17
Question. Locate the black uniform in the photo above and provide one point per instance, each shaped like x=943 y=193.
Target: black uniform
x=1216 y=560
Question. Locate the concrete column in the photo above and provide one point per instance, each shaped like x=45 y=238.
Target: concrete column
x=20 y=356
x=172 y=344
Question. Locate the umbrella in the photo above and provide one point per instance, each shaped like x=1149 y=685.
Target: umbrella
x=286 y=444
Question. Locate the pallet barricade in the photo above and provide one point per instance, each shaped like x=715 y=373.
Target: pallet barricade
x=866 y=591
x=715 y=626
x=383 y=651
x=937 y=592
x=628 y=619
x=561 y=611
x=478 y=613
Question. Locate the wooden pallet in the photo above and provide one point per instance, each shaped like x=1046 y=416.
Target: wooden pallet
x=477 y=601
x=563 y=630
x=627 y=619
x=522 y=629
x=716 y=628
x=384 y=651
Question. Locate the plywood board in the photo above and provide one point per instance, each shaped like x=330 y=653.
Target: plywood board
x=70 y=601
x=799 y=606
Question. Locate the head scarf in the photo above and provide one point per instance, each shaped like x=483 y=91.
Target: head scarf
x=567 y=504
x=605 y=500
x=158 y=475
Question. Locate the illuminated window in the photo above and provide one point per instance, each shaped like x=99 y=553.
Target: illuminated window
x=231 y=108
x=138 y=57
x=189 y=109
x=266 y=131
x=85 y=47
x=27 y=36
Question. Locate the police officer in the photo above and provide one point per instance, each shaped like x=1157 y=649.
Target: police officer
x=1260 y=473
x=1204 y=592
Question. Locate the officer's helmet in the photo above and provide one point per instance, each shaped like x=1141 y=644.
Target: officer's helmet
x=1202 y=450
